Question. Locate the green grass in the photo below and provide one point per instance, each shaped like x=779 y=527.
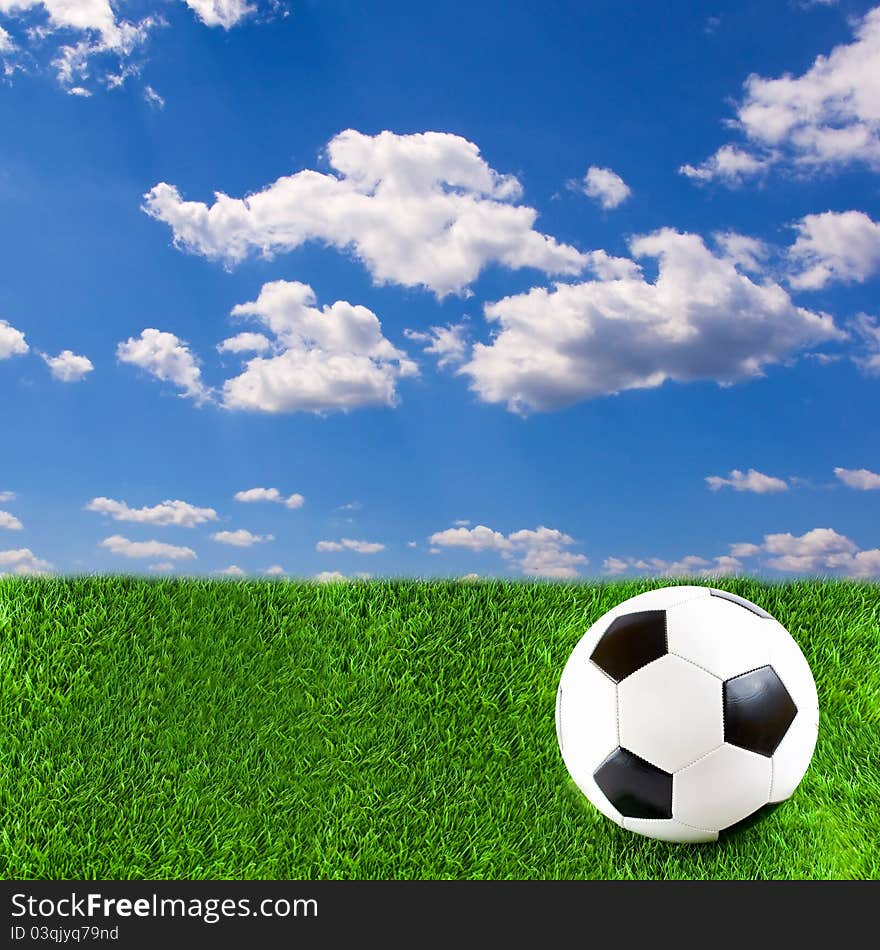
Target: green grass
x=202 y=729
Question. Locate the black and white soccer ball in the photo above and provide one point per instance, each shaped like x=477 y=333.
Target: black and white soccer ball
x=685 y=710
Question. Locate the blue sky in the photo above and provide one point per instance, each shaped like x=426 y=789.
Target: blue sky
x=518 y=289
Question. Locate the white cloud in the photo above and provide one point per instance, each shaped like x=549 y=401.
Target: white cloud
x=12 y=341
x=179 y=514
x=232 y=571
x=417 y=210
x=807 y=553
x=162 y=567
x=834 y=247
x=252 y=495
x=744 y=549
x=225 y=13
x=615 y=566
x=240 y=538
x=276 y=570
x=23 y=562
x=350 y=544
x=412 y=544
x=747 y=253
x=245 y=343
x=7 y=496
x=867 y=328
x=820 y=551
x=729 y=164
x=136 y=549
x=692 y=565
x=333 y=358
x=825 y=118
x=479 y=538
x=328 y=577
x=700 y=319
x=448 y=344
x=167 y=358
x=9 y=522
x=751 y=481
x=68 y=367
x=152 y=98
x=86 y=41
x=606 y=186
x=536 y=553
x=861 y=479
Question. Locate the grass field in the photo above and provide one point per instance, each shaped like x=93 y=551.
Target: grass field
x=164 y=729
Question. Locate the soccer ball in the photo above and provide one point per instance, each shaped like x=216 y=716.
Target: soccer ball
x=685 y=710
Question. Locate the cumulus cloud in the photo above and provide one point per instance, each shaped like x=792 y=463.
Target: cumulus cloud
x=350 y=544
x=700 y=319
x=163 y=567
x=240 y=538
x=834 y=247
x=817 y=552
x=223 y=13
x=68 y=367
x=867 y=328
x=167 y=358
x=416 y=210
x=542 y=552
x=232 y=571
x=332 y=358
x=7 y=496
x=809 y=552
x=825 y=118
x=87 y=42
x=729 y=164
x=79 y=39
x=751 y=481
x=9 y=522
x=23 y=562
x=861 y=479
x=276 y=570
x=245 y=343
x=179 y=514
x=117 y=544
x=448 y=344
x=329 y=577
x=12 y=341
x=251 y=495
x=691 y=565
x=606 y=187
x=747 y=253
x=744 y=549
x=479 y=538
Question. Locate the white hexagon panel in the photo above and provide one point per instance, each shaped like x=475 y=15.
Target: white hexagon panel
x=670 y=713
x=586 y=725
x=721 y=789
x=719 y=635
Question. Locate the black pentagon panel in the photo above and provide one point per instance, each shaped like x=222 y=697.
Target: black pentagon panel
x=634 y=787
x=757 y=711
x=631 y=642
x=735 y=599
